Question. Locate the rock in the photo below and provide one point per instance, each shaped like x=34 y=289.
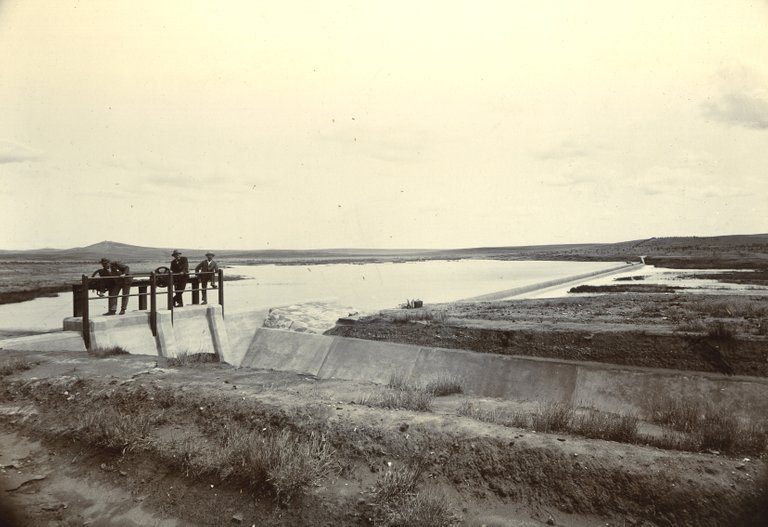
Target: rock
x=238 y=518
x=54 y=506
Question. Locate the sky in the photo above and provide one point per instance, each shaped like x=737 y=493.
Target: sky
x=380 y=124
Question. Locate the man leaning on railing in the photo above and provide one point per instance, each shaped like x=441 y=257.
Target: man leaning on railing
x=206 y=271
x=115 y=277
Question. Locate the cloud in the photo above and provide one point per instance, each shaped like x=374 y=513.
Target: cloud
x=739 y=109
x=386 y=143
x=11 y=152
x=565 y=150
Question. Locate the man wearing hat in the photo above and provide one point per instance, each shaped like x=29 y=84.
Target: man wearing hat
x=180 y=270
x=207 y=270
x=115 y=277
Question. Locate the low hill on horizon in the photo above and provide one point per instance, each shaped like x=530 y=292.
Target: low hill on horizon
x=749 y=249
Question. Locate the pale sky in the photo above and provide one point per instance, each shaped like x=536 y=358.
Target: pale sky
x=383 y=124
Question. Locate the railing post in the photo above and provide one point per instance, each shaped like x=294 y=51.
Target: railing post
x=142 y=298
x=84 y=311
x=195 y=290
x=221 y=291
x=153 y=303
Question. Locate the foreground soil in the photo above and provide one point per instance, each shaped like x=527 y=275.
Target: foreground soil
x=488 y=474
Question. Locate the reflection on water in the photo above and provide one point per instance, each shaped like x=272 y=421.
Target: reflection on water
x=365 y=287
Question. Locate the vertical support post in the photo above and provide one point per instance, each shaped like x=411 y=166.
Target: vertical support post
x=221 y=291
x=170 y=291
x=84 y=311
x=77 y=303
x=153 y=303
x=142 y=298
x=195 y=290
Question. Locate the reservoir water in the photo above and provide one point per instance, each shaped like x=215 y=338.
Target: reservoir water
x=361 y=287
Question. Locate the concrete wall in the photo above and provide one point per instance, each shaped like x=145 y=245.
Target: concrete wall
x=191 y=330
x=603 y=386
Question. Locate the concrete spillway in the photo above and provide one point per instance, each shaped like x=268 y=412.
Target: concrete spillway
x=517 y=291
x=241 y=341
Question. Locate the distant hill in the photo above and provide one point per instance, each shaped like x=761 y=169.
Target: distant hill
x=749 y=250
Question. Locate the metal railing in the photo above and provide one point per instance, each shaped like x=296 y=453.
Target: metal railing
x=148 y=289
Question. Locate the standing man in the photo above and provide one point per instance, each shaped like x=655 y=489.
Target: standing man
x=180 y=270
x=207 y=270
x=121 y=281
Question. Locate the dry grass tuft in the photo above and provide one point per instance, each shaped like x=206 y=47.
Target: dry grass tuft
x=113 y=429
x=396 y=502
x=9 y=367
x=418 y=400
x=445 y=384
x=100 y=353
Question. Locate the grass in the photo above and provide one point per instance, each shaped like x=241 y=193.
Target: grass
x=9 y=367
x=112 y=429
x=706 y=427
x=610 y=427
x=445 y=384
x=395 y=501
x=282 y=460
x=402 y=393
x=101 y=353
x=185 y=358
x=418 y=315
x=417 y=400
x=223 y=439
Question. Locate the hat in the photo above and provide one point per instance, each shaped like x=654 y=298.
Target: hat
x=210 y=254
x=176 y=252
x=105 y=260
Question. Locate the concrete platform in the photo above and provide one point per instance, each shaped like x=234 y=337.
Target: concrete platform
x=59 y=341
